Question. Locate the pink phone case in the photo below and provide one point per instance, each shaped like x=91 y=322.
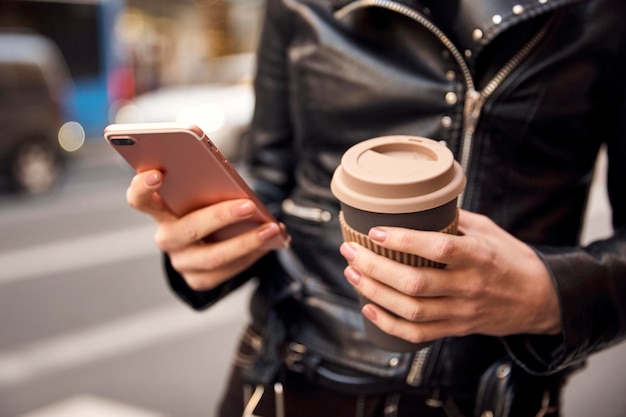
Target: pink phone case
x=195 y=173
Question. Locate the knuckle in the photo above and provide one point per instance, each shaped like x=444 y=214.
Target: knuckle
x=177 y=263
x=475 y=288
x=370 y=291
x=483 y=253
x=444 y=247
x=488 y=256
x=415 y=285
x=415 y=313
x=190 y=229
x=211 y=263
x=405 y=242
x=366 y=265
x=161 y=239
x=214 y=261
x=223 y=216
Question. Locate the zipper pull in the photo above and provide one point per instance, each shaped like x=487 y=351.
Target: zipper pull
x=253 y=401
x=472 y=109
x=415 y=376
x=279 y=399
x=313 y=214
x=474 y=101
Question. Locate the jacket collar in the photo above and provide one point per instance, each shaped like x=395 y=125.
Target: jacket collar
x=478 y=22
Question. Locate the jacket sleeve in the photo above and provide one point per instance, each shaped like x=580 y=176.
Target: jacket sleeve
x=267 y=151
x=590 y=282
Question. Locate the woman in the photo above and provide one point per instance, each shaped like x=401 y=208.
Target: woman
x=525 y=94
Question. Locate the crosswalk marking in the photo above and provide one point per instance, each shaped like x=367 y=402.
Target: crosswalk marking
x=76 y=253
x=90 y=406
x=130 y=333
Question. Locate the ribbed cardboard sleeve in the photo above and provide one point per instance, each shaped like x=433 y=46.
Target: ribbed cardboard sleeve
x=351 y=235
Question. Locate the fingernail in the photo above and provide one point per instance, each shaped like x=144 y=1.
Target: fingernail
x=348 y=251
x=268 y=232
x=244 y=209
x=152 y=179
x=377 y=234
x=352 y=275
x=369 y=312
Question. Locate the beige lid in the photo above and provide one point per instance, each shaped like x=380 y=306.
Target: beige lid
x=397 y=174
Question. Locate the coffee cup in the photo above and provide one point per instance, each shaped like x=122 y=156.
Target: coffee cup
x=404 y=181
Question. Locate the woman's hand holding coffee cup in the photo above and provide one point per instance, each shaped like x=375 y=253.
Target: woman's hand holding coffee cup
x=493 y=283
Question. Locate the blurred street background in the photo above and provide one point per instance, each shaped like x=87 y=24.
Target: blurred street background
x=88 y=326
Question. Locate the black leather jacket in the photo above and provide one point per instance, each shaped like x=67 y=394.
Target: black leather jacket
x=525 y=94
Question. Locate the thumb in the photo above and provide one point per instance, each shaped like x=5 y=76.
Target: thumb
x=142 y=195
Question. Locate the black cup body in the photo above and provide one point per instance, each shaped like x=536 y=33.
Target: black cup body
x=442 y=218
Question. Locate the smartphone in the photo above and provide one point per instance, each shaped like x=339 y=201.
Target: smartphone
x=195 y=173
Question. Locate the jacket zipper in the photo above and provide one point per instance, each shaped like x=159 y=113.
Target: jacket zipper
x=472 y=108
x=313 y=214
x=474 y=100
x=416 y=372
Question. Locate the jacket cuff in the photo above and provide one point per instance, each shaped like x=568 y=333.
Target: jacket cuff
x=537 y=354
x=573 y=273
x=200 y=300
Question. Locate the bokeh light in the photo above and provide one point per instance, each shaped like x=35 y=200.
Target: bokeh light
x=208 y=116
x=71 y=136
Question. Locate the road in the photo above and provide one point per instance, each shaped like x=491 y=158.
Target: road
x=89 y=328
x=87 y=322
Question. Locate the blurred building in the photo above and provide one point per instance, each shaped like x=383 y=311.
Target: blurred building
x=175 y=42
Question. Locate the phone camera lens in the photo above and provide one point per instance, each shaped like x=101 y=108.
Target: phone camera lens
x=123 y=142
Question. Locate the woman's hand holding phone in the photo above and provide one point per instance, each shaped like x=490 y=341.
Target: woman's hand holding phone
x=203 y=263
x=210 y=223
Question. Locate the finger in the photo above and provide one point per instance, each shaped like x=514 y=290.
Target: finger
x=201 y=223
x=414 y=332
x=410 y=307
x=142 y=195
x=451 y=250
x=409 y=280
x=222 y=255
x=200 y=280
